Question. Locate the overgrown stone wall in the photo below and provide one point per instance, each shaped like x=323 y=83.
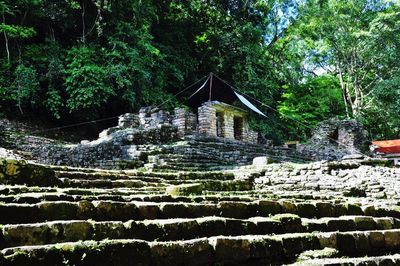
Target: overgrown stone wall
x=354 y=178
x=334 y=138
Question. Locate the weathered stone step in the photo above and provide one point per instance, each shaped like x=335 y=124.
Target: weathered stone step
x=231 y=185
x=174 y=168
x=239 y=250
x=102 y=211
x=177 y=229
x=105 y=176
x=195 y=165
x=111 y=210
x=114 y=195
x=386 y=260
x=190 y=160
x=108 y=183
x=161 y=230
x=350 y=223
x=189 y=157
x=148 y=175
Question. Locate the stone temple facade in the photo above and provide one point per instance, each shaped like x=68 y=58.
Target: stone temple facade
x=211 y=119
x=223 y=120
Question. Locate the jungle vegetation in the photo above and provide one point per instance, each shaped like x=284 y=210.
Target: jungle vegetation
x=305 y=61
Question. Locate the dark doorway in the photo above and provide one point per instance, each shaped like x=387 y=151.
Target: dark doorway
x=220 y=124
x=334 y=137
x=238 y=128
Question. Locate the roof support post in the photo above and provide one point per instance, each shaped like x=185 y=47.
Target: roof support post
x=211 y=81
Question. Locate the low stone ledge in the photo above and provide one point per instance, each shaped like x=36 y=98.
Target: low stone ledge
x=14 y=171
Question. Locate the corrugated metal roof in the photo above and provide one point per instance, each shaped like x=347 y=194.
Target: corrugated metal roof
x=387 y=146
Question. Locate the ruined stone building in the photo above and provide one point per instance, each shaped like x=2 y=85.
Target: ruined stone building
x=210 y=112
x=214 y=114
x=332 y=139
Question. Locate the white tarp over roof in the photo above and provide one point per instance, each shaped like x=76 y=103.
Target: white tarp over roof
x=249 y=104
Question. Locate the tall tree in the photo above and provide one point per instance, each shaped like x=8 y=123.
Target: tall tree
x=343 y=39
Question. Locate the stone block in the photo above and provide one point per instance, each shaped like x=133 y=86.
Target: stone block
x=288 y=207
x=211 y=226
x=346 y=243
x=148 y=210
x=307 y=210
x=77 y=230
x=385 y=223
x=353 y=209
x=328 y=240
x=184 y=189
x=265 y=226
x=111 y=230
x=231 y=249
x=58 y=211
x=174 y=210
x=325 y=209
x=341 y=224
x=17 y=235
x=269 y=207
x=238 y=210
x=362 y=243
x=260 y=162
x=177 y=229
x=376 y=240
x=191 y=252
x=392 y=240
x=290 y=223
x=86 y=210
x=202 y=210
x=115 y=211
x=365 y=223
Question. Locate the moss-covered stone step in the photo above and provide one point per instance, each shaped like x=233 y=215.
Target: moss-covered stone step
x=115 y=210
x=191 y=167
x=162 y=230
x=13 y=171
x=237 y=250
x=216 y=185
x=216 y=175
x=108 y=183
x=123 y=195
x=360 y=243
x=387 y=260
x=193 y=163
x=174 y=229
x=106 y=176
x=147 y=177
x=102 y=211
x=350 y=223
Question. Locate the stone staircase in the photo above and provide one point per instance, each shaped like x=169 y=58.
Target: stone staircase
x=199 y=153
x=77 y=216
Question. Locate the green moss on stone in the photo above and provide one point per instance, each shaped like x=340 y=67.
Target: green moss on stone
x=184 y=190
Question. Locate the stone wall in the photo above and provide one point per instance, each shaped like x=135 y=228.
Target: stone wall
x=185 y=121
x=218 y=119
x=207 y=120
x=334 y=138
x=353 y=178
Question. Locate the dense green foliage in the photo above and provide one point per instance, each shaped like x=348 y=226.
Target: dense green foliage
x=74 y=60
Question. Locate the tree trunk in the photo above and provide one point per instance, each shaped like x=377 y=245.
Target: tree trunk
x=345 y=94
x=19 y=99
x=6 y=40
x=83 y=22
